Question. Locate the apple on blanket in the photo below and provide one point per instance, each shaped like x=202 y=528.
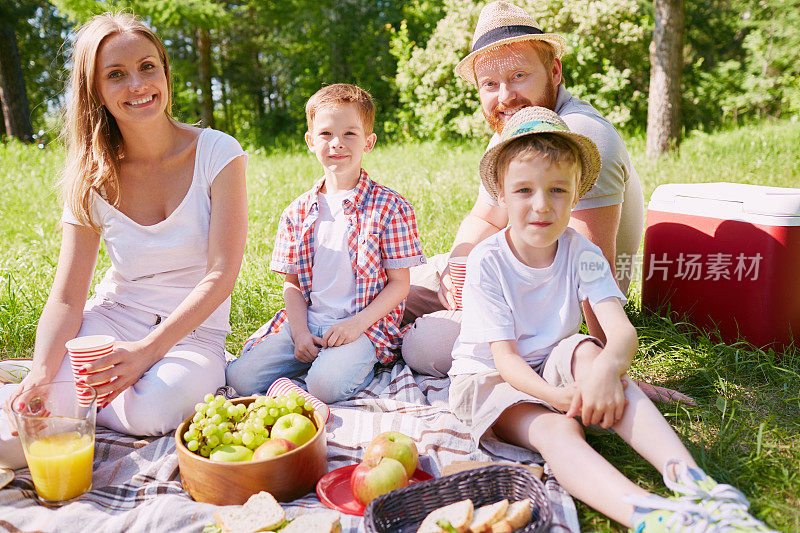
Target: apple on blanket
x=389 y=462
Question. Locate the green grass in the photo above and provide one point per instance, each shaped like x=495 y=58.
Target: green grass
x=746 y=428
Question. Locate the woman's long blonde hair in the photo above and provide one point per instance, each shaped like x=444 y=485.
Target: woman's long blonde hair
x=94 y=142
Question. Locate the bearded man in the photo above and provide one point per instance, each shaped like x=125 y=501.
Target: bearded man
x=515 y=64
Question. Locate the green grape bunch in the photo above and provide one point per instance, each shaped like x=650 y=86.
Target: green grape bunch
x=218 y=421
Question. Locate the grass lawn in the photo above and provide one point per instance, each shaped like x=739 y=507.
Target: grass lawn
x=746 y=428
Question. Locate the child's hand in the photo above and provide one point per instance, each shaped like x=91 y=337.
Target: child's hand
x=306 y=347
x=602 y=398
x=343 y=332
x=564 y=397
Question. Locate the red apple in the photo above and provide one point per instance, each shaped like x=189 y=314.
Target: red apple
x=294 y=427
x=377 y=476
x=273 y=448
x=397 y=446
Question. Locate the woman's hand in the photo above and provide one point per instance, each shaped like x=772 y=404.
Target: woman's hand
x=33 y=379
x=128 y=362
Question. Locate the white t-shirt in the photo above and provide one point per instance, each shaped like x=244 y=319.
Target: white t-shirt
x=616 y=166
x=154 y=268
x=333 y=281
x=504 y=299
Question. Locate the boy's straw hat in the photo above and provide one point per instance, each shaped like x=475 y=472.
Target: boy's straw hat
x=502 y=23
x=534 y=120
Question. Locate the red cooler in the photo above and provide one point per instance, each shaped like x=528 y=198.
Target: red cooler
x=726 y=255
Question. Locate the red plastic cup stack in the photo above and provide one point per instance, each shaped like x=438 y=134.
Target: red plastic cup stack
x=82 y=351
x=283 y=386
x=458 y=272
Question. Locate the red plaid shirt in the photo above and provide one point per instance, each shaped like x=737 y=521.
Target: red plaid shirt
x=386 y=237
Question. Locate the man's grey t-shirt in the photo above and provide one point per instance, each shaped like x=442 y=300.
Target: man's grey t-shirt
x=616 y=168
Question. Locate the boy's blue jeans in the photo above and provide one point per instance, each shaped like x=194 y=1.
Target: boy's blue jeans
x=336 y=374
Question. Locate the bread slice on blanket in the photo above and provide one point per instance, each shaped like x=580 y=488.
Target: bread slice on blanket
x=485 y=516
x=261 y=512
x=458 y=515
x=517 y=515
x=324 y=522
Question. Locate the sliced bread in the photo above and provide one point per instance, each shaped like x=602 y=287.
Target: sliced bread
x=324 y=522
x=517 y=515
x=458 y=515
x=485 y=516
x=261 y=512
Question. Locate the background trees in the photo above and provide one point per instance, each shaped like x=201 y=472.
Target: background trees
x=248 y=66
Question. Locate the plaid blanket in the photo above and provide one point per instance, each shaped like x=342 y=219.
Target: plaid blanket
x=136 y=483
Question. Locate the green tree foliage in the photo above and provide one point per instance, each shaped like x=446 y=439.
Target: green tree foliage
x=741 y=60
x=611 y=66
x=41 y=31
x=267 y=58
x=771 y=84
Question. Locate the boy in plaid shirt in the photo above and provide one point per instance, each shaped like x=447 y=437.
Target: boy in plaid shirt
x=345 y=247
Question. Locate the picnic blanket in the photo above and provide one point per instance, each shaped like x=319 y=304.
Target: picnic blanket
x=136 y=483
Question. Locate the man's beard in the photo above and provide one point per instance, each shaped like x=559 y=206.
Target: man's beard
x=497 y=120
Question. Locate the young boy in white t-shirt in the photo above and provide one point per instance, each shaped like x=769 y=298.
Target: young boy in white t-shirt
x=522 y=369
x=345 y=247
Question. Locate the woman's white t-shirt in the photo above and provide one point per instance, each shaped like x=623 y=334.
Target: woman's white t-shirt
x=154 y=268
x=505 y=299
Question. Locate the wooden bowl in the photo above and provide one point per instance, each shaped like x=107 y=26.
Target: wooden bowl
x=287 y=477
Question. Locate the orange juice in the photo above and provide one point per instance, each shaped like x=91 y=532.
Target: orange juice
x=61 y=465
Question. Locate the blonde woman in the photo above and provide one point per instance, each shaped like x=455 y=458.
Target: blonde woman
x=169 y=201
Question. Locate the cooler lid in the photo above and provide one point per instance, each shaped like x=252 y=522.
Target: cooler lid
x=730 y=200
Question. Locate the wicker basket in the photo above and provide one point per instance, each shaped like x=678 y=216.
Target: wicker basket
x=403 y=510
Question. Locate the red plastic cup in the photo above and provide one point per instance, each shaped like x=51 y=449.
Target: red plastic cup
x=82 y=351
x=458 y=273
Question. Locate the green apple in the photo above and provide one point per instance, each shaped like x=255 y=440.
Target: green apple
x=273 y=448
x=295 y=428
x=377 y=476
x=230 y=453
x=397 y=446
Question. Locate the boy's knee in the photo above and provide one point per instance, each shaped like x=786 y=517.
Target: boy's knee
x=331 y=388
x=327 y=391
x=583 y=357
x=554 y=428
x=335 y=376
x=243 y=381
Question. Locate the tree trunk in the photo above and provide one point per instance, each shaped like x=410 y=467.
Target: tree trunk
x=258 y=88
x=14 y=100
x=230 y=126
x=666 y=60
x=204 y=72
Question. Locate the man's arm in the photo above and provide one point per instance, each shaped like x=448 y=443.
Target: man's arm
x=482 y=221
x=599 y=225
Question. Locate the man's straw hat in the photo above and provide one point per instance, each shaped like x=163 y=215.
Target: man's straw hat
x=502 y=23
x=536 y=120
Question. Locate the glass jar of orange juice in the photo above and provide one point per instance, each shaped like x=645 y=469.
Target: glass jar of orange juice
x=57 y=432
